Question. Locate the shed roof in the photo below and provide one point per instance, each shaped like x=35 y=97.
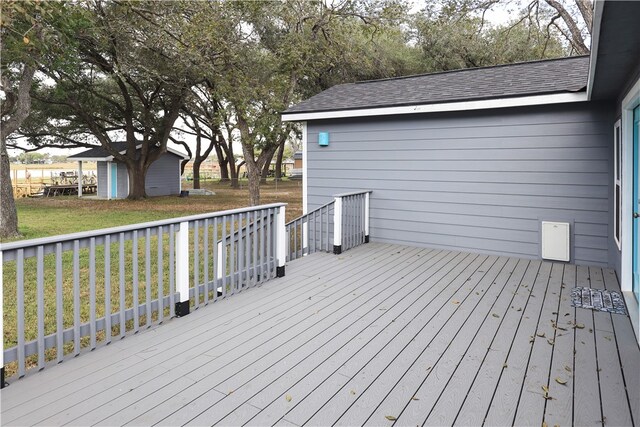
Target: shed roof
x=99 y=153
x=562 y=75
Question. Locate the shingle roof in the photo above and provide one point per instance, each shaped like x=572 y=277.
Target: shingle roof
x=99 y=152
x=501 y=81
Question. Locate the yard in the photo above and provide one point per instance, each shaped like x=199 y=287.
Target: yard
x=61 y=215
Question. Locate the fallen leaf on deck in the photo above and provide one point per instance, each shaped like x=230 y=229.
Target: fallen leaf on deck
x=455 y=302
x=561 y=381
x=545 y=389
x=519 y=309
x=607 y=338
x=288 y=398
x=550 y=341
x=390 y=417
x=540 y=334
x=567 y=368
x=579 y=325
x=414 y=398
x=504 y=366
x=353 y=392
x=495 y=315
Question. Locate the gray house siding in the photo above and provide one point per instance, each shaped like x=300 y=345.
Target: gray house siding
x=123 y=181
x=102 y=179
x=478 y=181
x=163 y=176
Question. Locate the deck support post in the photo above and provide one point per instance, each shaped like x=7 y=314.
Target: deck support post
x=366 y=217
x=182 y=269
x=281 y=236
x=337 y=226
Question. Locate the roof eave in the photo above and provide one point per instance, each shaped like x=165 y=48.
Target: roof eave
x=598 y=8
x=522 y=101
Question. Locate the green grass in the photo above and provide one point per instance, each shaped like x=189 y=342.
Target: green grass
x=62 y=215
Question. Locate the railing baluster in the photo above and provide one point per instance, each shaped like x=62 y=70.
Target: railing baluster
x=240 y=240
x=40 y=298
x=136 y=313
x=205 y=261
x=122 y=290
x=247 y=248
x=254 y=246
x=196 y=264
x=20 y=309
x=92 y=292
x=76 y=297
x=215 y=253
x=147 y=277
x=59 y=305
x=107 y=289
x=232 y=254
x=172 y=271
x=160 y=275
x=270 y=268
x=223 y=258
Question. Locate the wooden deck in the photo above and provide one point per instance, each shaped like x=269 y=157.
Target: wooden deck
x=377 y=335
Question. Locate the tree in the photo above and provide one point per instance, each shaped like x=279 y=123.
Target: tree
x=28 y=32
x=125 y=80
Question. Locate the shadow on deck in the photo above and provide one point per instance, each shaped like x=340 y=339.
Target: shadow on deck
x=381 y=334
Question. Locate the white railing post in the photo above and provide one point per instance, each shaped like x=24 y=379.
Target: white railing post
x=80 y=178
x=182 y=269
x=366 y=217
x=1 y=324
x=281 y=247
x=337 y=226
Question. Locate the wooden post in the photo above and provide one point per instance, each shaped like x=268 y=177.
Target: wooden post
x=337 y=226
x=281 y=236
x=79 y=178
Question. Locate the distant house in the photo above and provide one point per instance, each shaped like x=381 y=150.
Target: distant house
x=534 y=160
x=163 y=176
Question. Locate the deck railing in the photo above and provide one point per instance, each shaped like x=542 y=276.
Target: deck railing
x=334 y=227
x=66 y=293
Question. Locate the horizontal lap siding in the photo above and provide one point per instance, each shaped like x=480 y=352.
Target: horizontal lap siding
x=102 y=180
x=163 y=176
x=475 y=181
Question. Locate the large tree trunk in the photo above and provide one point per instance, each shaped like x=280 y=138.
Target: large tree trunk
x=222 y=164
x=265 y=169
x=278 y=174
x=253 y=173
x=196 y=172
x=8 y=212
x=137 y=179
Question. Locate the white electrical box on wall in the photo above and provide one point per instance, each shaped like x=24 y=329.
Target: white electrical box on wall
x=555 y=241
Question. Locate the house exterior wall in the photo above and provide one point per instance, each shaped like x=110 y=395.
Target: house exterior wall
x=123 y=181
x=163 y=176
x=478 y=181
x=102 y=179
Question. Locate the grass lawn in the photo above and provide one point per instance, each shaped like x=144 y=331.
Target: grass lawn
x=61 y=215
x=50 y=216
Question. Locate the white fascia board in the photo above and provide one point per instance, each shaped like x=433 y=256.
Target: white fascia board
x=559 y=98
x=595 y=40
x=91 y=159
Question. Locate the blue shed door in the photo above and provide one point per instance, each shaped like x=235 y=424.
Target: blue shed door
x=114 y=180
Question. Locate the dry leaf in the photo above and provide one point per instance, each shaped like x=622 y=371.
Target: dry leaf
x=428 y=367
x=567 y=368
x=25 y=39
x=504 y=366
x=545 y=389
x=561 y=381
x=414 y=398
x=550 y=341
x=390 y=417
x=495 y=315
x=544 y=424
x=540 y=334
x=231 y=391
x=519 y=309
x=288 y=398
x=607 y=338
x=579 y=325
x=455 y=302
x=353 y=392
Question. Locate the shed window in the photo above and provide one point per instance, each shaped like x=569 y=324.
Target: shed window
x=617 y=183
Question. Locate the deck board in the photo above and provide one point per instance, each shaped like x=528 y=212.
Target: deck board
x=425 y=336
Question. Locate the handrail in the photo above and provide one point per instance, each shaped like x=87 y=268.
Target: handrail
x=125 y=228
